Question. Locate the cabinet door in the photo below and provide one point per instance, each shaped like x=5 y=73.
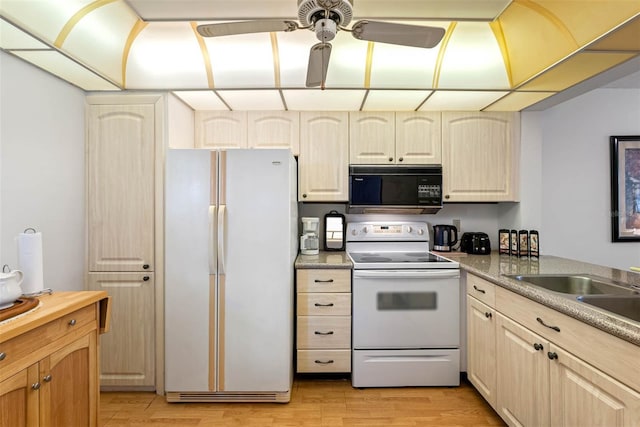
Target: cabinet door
x=120 y=146
x=371 y=138
x=323 y=166
x=581 y=395
x=480 y=156
x=523 y=375
x=418 y=138
x=127 y=351
x=18 y=400
x=69 y=390
x=274 y=129
x=481 y=348
x=221 y=129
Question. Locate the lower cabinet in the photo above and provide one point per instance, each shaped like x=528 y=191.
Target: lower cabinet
x=323 y=321
x=127 y=353
x=564 y=374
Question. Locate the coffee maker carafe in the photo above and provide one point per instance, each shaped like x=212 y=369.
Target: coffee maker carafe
x=309 y=240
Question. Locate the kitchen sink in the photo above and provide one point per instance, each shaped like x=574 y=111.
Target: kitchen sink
x=576 y=284
x=627 y=306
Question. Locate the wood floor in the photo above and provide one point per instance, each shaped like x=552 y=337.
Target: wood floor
x=314 y=402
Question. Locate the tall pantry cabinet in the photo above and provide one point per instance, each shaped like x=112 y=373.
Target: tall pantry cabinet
x=124 y=152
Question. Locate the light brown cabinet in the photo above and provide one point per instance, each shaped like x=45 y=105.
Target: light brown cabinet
x=480 y=156
x=274 y=129
x=411 y=138
x=49 y=363
x=323 y=165
x=220 y=130
x=124 y=206
x=547 y=376
x=323 y=321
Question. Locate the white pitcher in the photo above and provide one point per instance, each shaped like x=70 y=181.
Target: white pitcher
x=10 y=289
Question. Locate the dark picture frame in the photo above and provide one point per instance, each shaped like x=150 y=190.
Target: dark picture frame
x=625 y=188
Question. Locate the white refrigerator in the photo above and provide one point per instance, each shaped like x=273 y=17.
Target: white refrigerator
x=230 y=247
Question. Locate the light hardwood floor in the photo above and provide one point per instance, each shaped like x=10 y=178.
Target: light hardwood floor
x=314 y=402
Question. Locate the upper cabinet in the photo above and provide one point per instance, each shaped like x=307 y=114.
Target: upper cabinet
x=221 y=129
x=274 y=129
x=411 y=138
x=480 y=152
x=323 y=165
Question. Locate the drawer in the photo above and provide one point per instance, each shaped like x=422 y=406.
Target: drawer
x=30 y=345
x=324 y=332
x=481 y=289
x=324 y=361
x=324 y=304
x=323 y=280
x=610 y=354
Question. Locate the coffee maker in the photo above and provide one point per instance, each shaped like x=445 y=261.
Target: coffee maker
x=309 y=240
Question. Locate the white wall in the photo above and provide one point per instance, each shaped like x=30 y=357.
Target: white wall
x=42 y=169
x=576 y=214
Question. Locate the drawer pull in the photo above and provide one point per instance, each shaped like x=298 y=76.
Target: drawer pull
x=322 y=362
x=47 y=378
x=537 y=346
x=552 y=355
x=555 y=328
x=482 y=291
x=323 y=305
x=324 y=281
x=3 y=356
x=35 y=386
x=323 y=333
x=487 y=315
x=72 y=322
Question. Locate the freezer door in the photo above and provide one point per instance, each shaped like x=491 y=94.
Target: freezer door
x=190 y=265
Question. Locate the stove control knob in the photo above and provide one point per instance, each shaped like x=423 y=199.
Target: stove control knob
x=365 y=230
x=354 y=232
x=409 y=229
x=420 y=231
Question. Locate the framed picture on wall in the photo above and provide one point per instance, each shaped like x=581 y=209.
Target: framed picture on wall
x=625 y=188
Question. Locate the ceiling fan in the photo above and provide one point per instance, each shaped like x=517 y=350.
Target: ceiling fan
x=326 y=17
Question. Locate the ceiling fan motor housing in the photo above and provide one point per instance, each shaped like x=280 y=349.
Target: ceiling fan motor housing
x=312 y=11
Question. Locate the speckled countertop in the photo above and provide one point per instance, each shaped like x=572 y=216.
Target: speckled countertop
x=324 y=260
x=493 y=268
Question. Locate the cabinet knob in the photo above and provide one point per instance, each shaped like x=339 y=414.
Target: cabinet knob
x=72 y=322
x=537 y=346
x=446 y=196
x=35 y=386
x=3 y=355
x=47 y=378
x=323 y=333
x=487 y=315
x=145 y=266
x=391 y=159
x=145 y=278
x=323 y=362
x=323 y=305
x=304 y=196
x=552 y=355
x=400 y=159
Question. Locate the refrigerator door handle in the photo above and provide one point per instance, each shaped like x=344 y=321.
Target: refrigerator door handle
x=222 y=236
x=213 y=255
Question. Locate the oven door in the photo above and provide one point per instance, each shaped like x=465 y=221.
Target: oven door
x=406 y=309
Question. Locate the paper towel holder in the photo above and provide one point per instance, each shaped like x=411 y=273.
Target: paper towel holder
x=33 y=230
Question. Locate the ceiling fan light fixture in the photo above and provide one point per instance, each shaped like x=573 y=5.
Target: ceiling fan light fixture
x=325 y=29
x=341 y=11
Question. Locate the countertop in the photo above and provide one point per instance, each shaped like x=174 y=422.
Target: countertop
x=493 y=268
x=325 y=259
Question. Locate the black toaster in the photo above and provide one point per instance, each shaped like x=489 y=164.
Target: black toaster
x=475 y=243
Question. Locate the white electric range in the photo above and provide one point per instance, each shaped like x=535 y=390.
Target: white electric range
x=406 y=307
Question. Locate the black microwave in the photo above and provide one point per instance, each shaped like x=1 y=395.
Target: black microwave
x=416 y=189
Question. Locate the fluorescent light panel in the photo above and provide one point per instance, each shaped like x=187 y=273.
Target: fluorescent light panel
x=395 y=100
x=246 y=100
x=323 y=100
x=11 y=37
x=201 y=100
x=460 y=100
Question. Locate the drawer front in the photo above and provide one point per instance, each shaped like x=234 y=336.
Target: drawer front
x=324 y=332
x=482 y=290
x=28 y=347
x=324 y=361
x=324 y=304
x=610 y=354
x=328 y=280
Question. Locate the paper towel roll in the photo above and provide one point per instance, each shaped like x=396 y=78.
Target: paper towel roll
x=30 y=262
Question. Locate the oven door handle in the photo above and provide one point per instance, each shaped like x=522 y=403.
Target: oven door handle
x=405 y=274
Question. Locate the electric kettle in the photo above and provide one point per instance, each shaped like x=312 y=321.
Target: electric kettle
x=444 y=237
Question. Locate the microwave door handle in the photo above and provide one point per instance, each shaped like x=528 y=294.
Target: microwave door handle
x=406 y=274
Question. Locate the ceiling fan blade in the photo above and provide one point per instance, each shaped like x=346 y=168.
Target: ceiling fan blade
x=245 y=27
x=318 y=64
x=401 y=34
